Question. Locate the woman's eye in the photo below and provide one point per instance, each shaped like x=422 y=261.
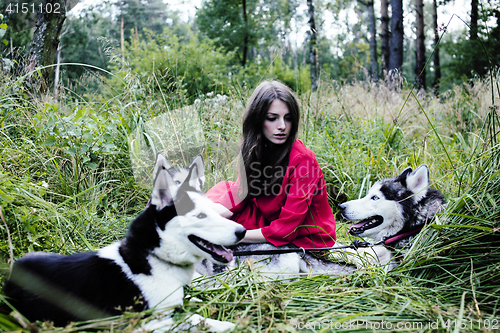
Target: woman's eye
x=270 y=118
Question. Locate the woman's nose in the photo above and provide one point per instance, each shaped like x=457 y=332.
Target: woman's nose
x=281 y=123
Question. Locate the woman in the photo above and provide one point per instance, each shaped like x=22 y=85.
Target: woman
x=280 y=195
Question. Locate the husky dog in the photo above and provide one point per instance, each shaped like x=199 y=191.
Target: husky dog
x=283 y=265
x=147 y=269
x=394 y=210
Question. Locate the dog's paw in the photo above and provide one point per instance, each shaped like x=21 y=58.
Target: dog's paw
x=372 y=256
x=219 y=326
x=212 y=324
x=158 y=325
x=192 y=324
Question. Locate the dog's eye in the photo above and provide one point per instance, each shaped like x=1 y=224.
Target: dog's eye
x=177 y=182
x=201 y=215
x=374 y=198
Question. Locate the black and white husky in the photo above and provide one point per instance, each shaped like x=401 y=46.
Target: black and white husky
x=394 y=211
x=147 y=269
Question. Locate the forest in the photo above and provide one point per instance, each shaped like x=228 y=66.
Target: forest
x=91 y=91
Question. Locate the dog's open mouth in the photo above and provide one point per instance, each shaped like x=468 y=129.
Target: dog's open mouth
x=366 y=224
x=218 y=252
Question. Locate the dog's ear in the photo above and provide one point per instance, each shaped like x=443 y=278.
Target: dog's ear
x=402 y=176
x=163 y=184
x=196 y=176
x=418 y=182
x=161 y=163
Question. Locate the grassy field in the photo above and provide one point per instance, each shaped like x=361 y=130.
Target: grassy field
x=73 y=176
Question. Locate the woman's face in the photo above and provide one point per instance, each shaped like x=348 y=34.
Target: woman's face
x=278 y=123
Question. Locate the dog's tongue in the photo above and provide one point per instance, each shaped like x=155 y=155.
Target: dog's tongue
x=223 y=252
x=358 y=225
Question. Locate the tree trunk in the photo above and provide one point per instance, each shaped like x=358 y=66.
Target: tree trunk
x=437 y=67
x=313 y=48
x=420 y=47
x=474 y=15
x=396 y=45
x=385 y=33
x=245 y=39
x=46 y=39
x=373 y=41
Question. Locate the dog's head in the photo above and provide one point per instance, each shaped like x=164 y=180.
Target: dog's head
x=179 y=175
x=186 y=227
x=394 y=204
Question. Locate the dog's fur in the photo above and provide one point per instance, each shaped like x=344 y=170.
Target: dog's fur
x=147 y=269
x=394 y=207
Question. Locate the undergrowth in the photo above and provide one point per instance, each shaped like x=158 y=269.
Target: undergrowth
x=68 y=183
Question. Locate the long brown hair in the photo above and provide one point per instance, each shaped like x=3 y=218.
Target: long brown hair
x=257 y=152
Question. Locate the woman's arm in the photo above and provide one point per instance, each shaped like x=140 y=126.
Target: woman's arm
x=300 y=190
x=254 y=236
x=223 y=211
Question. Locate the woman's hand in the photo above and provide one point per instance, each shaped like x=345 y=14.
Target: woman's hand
x=254 y=236
x=251 y=236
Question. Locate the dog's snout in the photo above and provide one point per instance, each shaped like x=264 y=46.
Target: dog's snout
x=342 y=207
x=240 y=233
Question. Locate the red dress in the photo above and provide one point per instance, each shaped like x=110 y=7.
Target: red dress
x=298 y=214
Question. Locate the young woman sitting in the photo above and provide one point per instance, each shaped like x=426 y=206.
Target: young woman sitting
x=280 y=195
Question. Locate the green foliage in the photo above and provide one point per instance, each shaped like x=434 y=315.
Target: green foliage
x=182 y=69
x=82 y=42
x=239 y=26
x=3 y=29
x=299 y=80
x=230 y=25
x=81 y=134
x=5 y=63
x=138 y=15
x=162 y=62
x=471 y=58
x=17 y=32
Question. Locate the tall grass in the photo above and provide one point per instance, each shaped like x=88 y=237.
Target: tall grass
x=68 y=184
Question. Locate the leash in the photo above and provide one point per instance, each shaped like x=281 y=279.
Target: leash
x=355 y=245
